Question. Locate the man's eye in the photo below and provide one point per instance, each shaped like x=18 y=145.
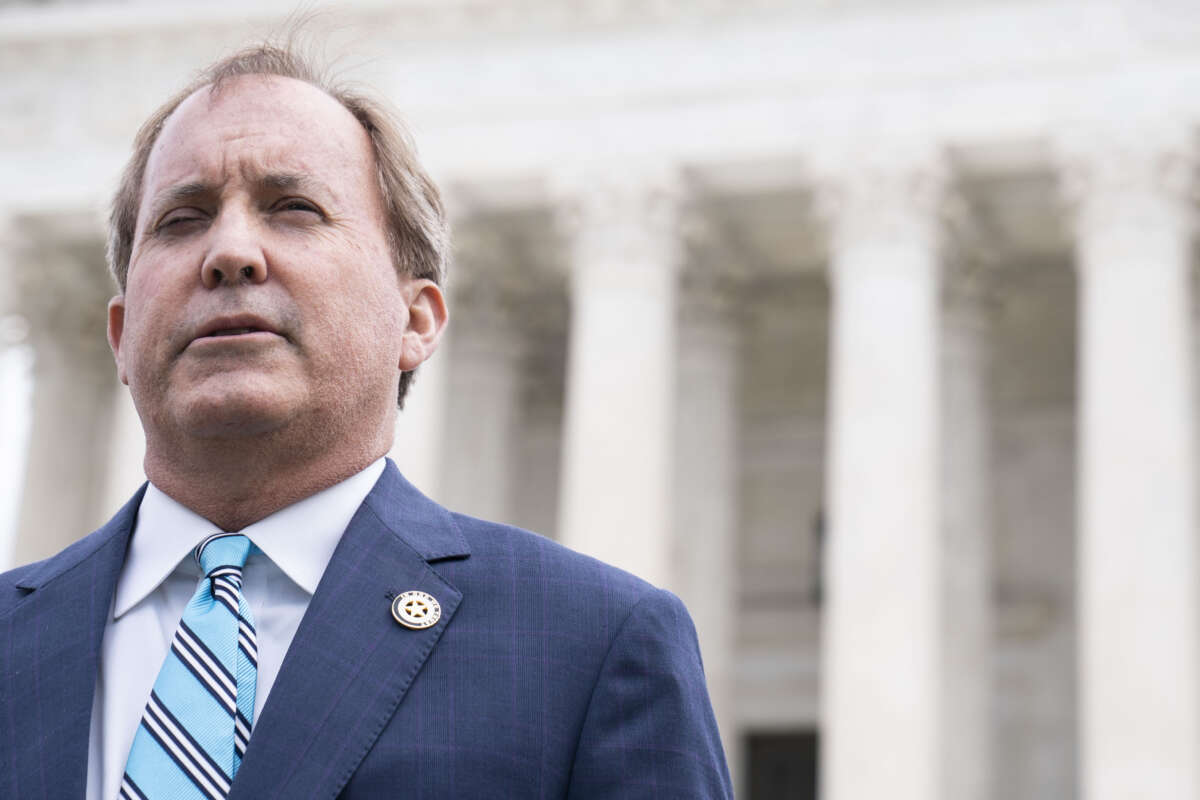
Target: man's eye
x=175 y=220
x=296 y=204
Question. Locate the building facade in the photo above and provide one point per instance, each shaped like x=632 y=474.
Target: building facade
x=870 y=329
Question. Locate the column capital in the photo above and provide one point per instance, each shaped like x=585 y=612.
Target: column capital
x=889 y=196
x=1141 y=174
x=484 y=258
x=623 y=215
x=486 y=289
x=60 y=287
x=715 y=268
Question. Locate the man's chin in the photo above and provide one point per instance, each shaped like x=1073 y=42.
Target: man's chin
x=233 y=414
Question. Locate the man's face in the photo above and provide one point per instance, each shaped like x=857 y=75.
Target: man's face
x=261 y=293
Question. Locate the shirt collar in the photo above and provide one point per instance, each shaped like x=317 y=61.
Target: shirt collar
x=299 y=539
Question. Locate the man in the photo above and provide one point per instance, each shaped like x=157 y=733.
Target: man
x=279 y=253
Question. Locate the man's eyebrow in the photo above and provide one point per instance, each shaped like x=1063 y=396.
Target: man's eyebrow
x=182 y=193
x=287 y=181
x=273 y=182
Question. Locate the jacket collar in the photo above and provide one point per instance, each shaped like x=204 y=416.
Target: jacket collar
x=351 y=664
x=426 y=527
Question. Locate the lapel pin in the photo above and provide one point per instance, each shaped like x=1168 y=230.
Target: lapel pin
x=416 y=610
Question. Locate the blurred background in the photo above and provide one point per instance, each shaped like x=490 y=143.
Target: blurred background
x=869 y=328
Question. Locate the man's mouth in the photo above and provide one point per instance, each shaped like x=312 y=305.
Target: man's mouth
x=251 y=326
x=234 y=331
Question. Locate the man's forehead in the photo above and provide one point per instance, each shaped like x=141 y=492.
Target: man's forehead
x=273 y=93
x=261 y=104
x=271 y=121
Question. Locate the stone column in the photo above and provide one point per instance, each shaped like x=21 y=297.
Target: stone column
x=1139 y=662
x=966 y=515
x=881 y=674
x=706 y=486
x=617 y=452
x=63 y=289
x=15 y=367
x=127 y=451
x=483 y=385
x=420 y=426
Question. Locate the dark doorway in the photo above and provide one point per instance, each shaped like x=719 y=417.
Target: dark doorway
x=782 y=765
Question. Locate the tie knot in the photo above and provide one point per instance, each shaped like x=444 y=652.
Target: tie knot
x=223 y=550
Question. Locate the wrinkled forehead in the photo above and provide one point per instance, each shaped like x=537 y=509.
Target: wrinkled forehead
x=260 y=123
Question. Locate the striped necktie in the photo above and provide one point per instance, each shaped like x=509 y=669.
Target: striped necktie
x=197 y=722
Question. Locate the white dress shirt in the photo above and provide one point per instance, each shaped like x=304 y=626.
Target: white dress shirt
x=160 y=576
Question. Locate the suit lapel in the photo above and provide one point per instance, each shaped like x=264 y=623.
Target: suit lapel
x=350 y=664
x=51 y=649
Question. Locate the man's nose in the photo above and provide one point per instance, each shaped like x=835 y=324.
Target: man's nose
x=235 y=253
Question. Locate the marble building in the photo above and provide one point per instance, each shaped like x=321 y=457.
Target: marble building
x=868 y=328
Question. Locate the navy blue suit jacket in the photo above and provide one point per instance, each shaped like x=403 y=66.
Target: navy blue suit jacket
x=549 y=675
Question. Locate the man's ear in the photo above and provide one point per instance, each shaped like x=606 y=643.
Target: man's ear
x=427 y=317
x=116 y=327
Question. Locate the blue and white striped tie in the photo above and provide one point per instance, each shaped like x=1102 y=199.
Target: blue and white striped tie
x=197 y=723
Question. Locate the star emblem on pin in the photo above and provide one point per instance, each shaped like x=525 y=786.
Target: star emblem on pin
x=416 y=610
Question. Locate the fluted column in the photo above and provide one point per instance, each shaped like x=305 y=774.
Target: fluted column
x=616 y=486
x=706 y=485
x=483 y=384
x=966 y=514
x=63 y=289
x=126 y=452
x=419 y=441
x=15 y=361
x=882 y=627
x=1139 y=664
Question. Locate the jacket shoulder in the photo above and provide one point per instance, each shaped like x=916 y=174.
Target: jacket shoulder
x=16 y=583
x=643 y=726
x=11 y=584
x=530 y=552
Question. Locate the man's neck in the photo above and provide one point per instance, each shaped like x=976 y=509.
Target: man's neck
x=234 y=484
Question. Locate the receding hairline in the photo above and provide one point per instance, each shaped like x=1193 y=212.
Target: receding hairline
x=222 y=85
x=219 y=88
